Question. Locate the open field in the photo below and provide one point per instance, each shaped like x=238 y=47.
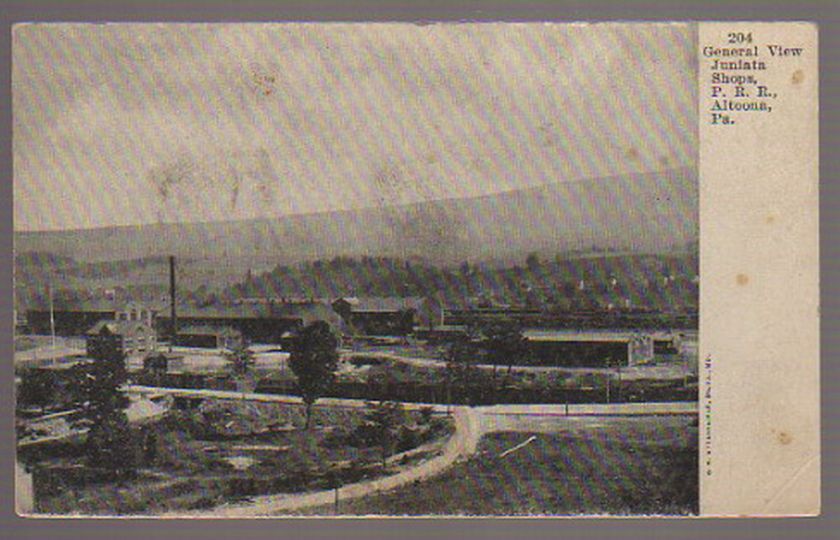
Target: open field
x=593 y=465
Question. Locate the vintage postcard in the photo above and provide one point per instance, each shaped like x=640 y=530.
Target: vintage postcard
x=389 y=269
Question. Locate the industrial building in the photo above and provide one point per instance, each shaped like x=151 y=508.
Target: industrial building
x=209 y=337
x=69 y=320
x=387 y=316
x=441 y=334
x=257 y=323
x=76 y=319
x=124 y=337
x=588 y=349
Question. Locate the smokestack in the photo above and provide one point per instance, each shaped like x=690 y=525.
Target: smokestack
x=173 y=318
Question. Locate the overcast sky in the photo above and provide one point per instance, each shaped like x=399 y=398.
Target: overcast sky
x=131 y=124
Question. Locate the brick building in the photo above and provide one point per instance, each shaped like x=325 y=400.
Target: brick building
x=125 y=337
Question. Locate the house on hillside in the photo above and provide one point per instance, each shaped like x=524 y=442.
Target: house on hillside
x=209 y=337
x=125 y=337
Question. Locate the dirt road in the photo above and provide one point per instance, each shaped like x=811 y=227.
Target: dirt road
x=462 y=444
x=470 y=424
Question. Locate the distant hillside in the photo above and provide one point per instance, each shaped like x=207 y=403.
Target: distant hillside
x=659 y=282
x=145 y=278
x=69 y=266
x=643 y=213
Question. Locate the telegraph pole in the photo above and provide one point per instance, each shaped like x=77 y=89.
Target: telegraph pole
x=618 y=367
x=608 y=387
x=52 y=320
x=173 y=331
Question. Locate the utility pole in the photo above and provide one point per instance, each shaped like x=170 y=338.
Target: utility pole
x=52 y=320
x=448 y=392
x=608 y=385
x=174 y=324
x=618 y=367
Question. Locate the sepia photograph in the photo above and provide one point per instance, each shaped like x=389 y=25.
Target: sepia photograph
x=357 y=269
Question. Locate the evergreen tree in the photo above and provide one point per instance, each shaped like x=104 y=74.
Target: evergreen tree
x=37 y=387
x=110 y=444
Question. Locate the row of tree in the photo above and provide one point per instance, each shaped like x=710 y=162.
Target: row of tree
x=658 y=282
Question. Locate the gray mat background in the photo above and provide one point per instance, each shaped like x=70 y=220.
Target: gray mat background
x=826 y=13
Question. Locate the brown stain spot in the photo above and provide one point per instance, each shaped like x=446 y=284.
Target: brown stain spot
x=632 y=153
x=742 y=279
x=797 y=77
x=264 y=82
x=784 y=438
x=771 y=219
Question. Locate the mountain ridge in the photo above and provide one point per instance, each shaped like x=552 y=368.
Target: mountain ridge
x=639 y=212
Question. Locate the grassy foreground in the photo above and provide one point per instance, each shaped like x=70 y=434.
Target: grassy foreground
x=616 y=466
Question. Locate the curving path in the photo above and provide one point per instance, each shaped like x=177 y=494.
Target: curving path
x=463 y=443
x=470 y=424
